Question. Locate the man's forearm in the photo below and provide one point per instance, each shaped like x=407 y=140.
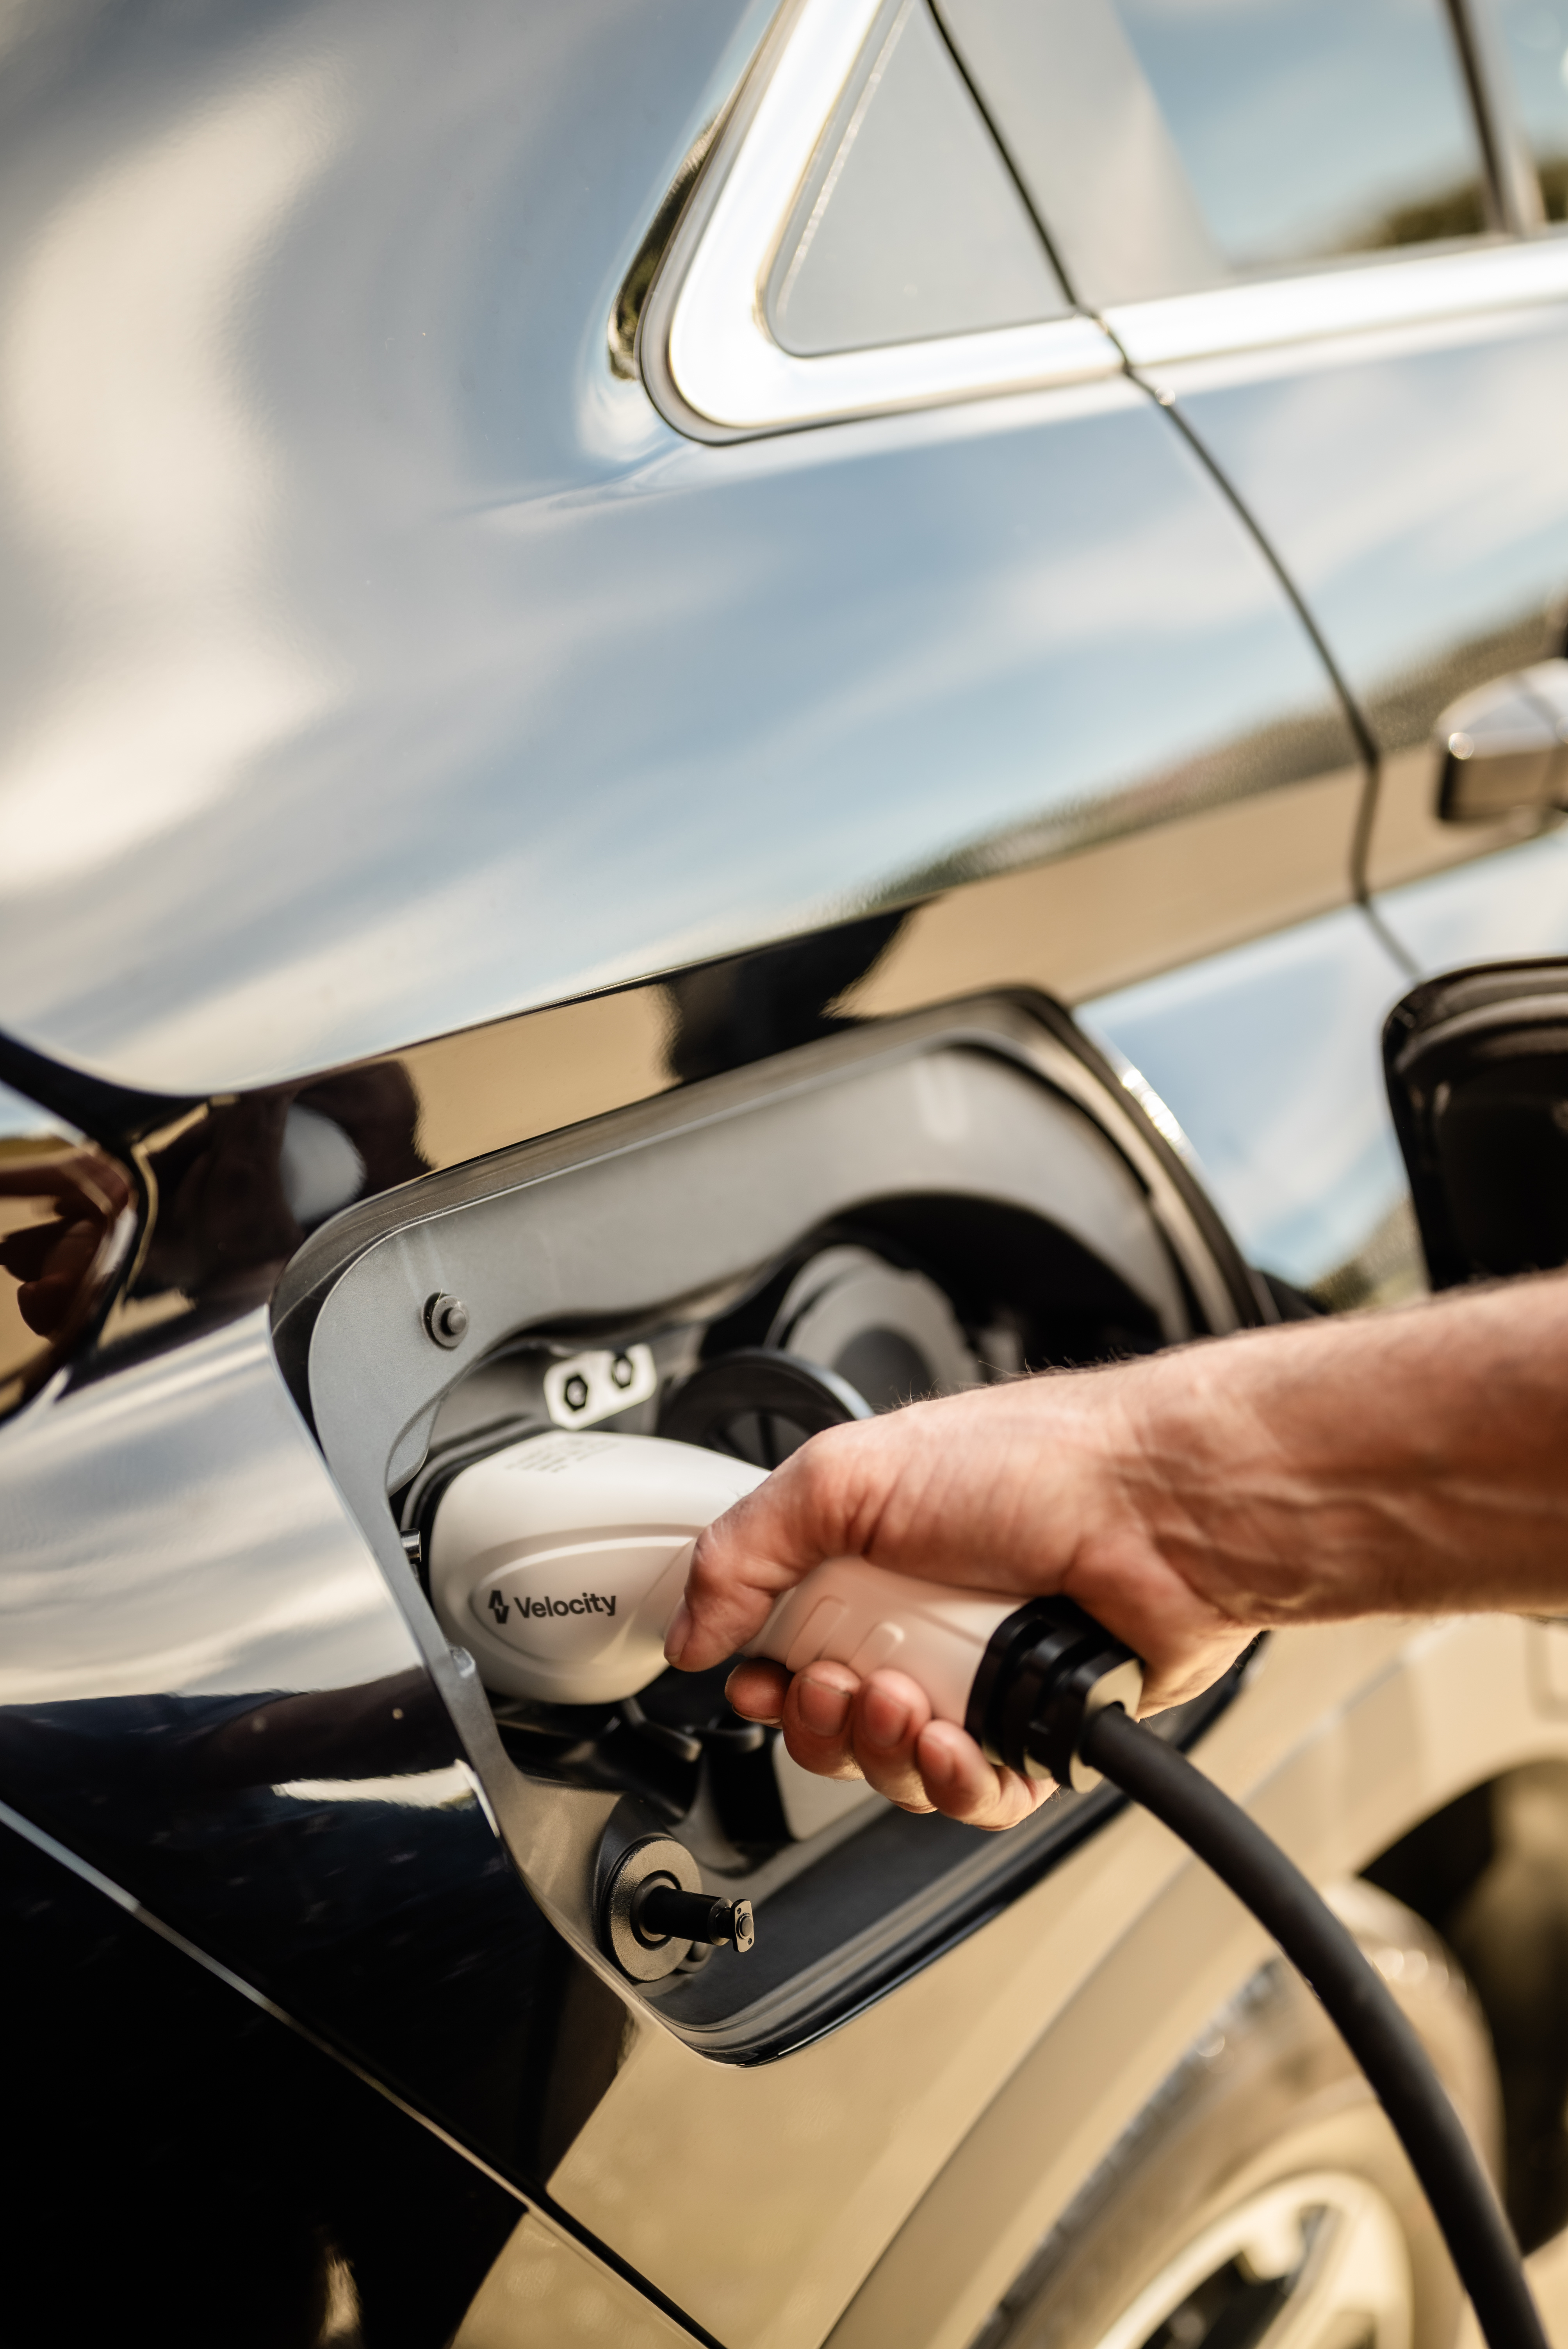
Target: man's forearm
x=1403 y=1462
x=1415 y=1461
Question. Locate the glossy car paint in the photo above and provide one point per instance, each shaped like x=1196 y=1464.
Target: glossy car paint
x=1440 y=557
x=1514 y=904
x=382 y=663
x=385 y=663
x=225 y=1713
x=1271 y=1051
x=308 y=2211
x=1393 y=431
x=1412 y=481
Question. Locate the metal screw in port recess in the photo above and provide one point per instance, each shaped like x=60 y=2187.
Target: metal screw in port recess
x=446 y=1319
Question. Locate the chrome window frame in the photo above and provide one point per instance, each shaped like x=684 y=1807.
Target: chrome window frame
x=715 y=373
x=1358 y=297
x=708 y=358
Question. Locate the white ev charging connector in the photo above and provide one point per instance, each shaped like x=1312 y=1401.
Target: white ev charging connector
x=560 y=1562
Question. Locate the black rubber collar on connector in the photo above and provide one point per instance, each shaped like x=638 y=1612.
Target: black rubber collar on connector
x=1045 y=1670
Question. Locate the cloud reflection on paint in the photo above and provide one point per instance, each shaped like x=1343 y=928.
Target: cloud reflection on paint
x=140 y=475
x=234 y=1566
x=405 y=672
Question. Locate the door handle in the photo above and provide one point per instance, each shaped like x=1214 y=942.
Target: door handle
x=1505 y=747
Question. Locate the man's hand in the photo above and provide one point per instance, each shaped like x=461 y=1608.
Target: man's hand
x=1404 y=1463
x=882 y=1729
x=1032 y=1487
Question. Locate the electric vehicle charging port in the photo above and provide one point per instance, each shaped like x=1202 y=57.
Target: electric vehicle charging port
x=908 y=1208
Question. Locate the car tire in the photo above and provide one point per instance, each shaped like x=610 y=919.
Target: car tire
x=1262 y=2195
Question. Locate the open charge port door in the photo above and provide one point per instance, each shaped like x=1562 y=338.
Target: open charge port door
x=913 y=1208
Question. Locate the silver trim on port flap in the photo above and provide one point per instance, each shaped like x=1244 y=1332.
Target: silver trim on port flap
x=707 y=358
x=1354 y=298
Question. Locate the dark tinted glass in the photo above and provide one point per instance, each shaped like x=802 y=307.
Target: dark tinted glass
x=1312 y=128
x=1535 y=43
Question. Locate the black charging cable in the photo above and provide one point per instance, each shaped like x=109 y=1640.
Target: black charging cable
x=1050 y=1692
x=1480 y=2240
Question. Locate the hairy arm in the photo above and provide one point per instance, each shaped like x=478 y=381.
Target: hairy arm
x=1406 y=1463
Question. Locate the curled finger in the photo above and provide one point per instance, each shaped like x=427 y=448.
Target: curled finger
x=962 y=1784
x=891 y=1714
x=818 y=1718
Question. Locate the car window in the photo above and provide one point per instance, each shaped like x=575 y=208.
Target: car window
x=1535 y=43
x=1312 y=128
x=910 y=224
x=1173 y=144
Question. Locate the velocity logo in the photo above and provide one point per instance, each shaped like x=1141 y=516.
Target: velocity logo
x=588 y=1602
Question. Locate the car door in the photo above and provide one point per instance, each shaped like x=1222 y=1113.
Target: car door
x=488 y=637
x=1329 y=238
x=389 y=662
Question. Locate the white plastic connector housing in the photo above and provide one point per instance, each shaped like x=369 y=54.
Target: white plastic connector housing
x=560 y=1561
x=864 y=1616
